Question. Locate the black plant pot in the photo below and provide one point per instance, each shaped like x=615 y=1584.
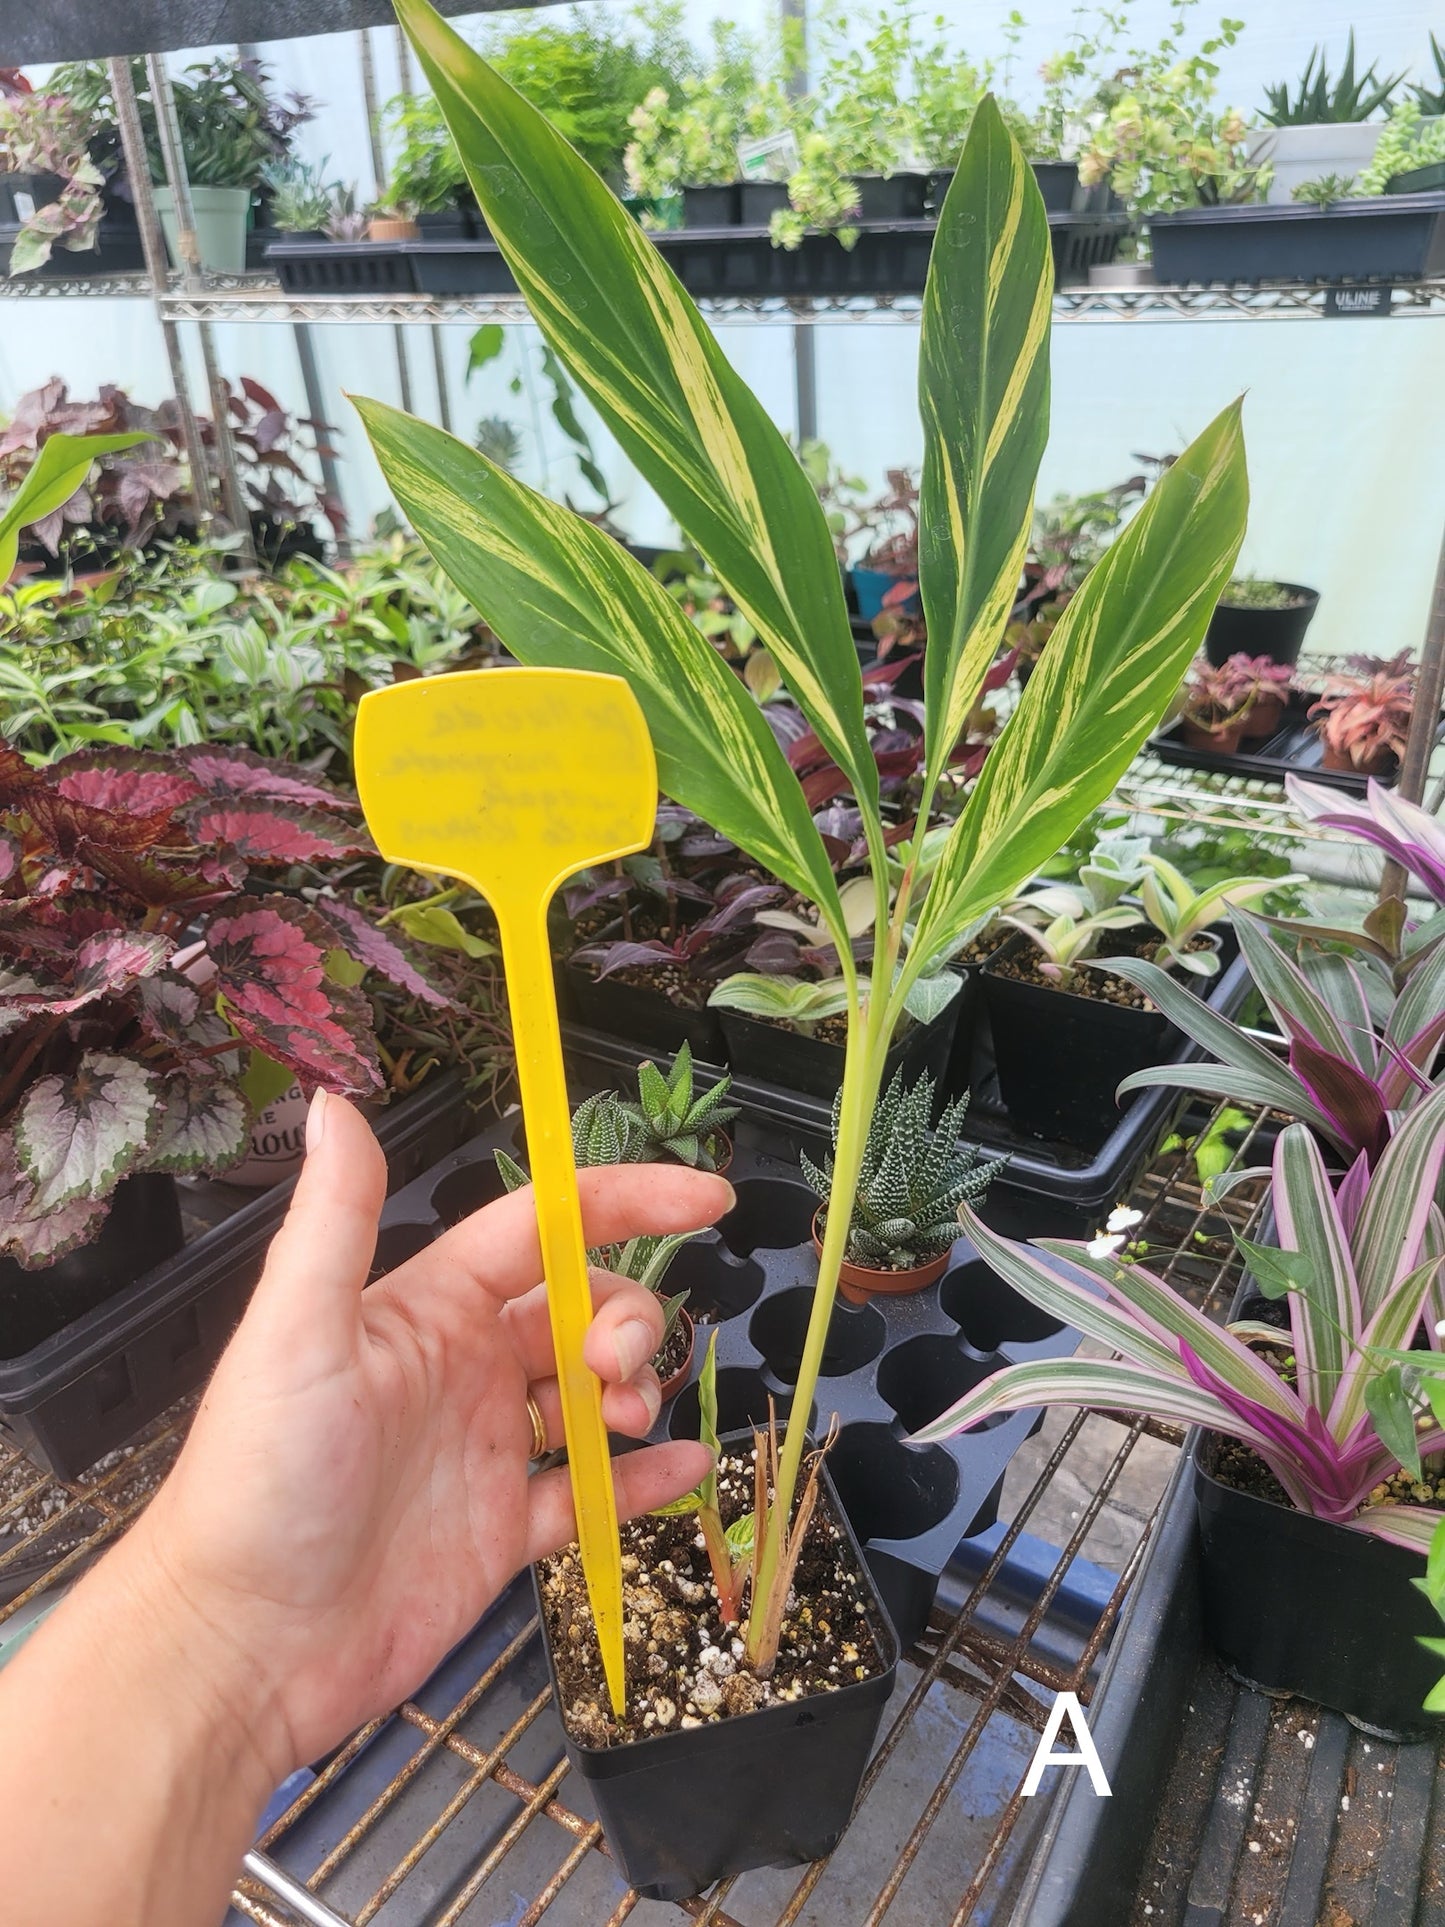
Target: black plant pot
x=891 y=197
x=759 y=201
x=1058 y=183
x=1276 y=633
x=718 y=205
x=1294 y=1604
x=787 y=1060
x=143 y=1229
x=1061 y=1057
x=640 y=1014
x=768 y=1789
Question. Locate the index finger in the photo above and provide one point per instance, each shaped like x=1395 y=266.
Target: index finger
x=498 y=1246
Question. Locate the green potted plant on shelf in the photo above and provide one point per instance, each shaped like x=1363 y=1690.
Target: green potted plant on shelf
x=425 y=175
x=914 y=1176
x=1316 y=1461
x=686 y=140
x=51 y=185
x=1325 y=126
x=1409 y=156
x=301 y=197
x=1258 y=616
x=558 y=591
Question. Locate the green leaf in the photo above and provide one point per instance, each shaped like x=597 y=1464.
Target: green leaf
x=1112 y=665
x=264 y=1081
x=1278 y=1272
x=983 y=390
x=485 y=345
x=614 y=312
x=679 y=1508
x=559 y=592
x=52 y=478
x=707 y=1416
x=342 y=968
x=740 y=1536
x=512 y=1174
x=434 y=924
x=1394 y=1418
x=929 y=996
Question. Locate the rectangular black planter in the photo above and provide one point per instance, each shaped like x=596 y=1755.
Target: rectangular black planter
x=1061 y=1057
x=644 y=1016
x=1294 y=746
x=1386 y=237
x=768 y=1054
x=718 y=205
x=1294 y=1604
x=774 y=1788
x=95 y=1383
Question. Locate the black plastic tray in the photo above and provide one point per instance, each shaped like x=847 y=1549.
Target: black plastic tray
x=1045 y=1190
x=1384 y=237
x=118 y=250
x=93 y=1385
x=889 y=258
x=892 y=1365
x=1200 y=1766
x=1294 y=747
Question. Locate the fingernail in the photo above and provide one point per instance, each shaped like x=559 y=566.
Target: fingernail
x=650 y=1393
x=315 y=1120
x=634 y=1345
x=732 y=1196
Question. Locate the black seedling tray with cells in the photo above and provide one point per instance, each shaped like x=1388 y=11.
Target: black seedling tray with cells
x=890 y=1367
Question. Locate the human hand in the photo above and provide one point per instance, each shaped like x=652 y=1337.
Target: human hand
x=355 y=1488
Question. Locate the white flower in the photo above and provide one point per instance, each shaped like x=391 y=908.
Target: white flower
x=1440 y=1327
x=1121 y=1218
x=1105 y=1246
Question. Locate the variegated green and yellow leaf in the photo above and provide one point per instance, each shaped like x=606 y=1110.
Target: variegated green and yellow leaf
x=1082 y=1384
x=983 y=392
x=52 y=478
x=1402 y=1525
x=1111 y=667
x=560 y=593
x=615 y=313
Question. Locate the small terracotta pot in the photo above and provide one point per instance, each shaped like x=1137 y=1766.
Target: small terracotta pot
x=387 y=227
x=1264 y=718
x=1218 y=742
x=859 y=1283
x=676 y=1380
x=725 y=1153
x=1380 y=764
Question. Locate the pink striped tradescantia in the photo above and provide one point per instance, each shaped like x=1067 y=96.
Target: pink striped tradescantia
x=1403 y=830
x=1356 y=1267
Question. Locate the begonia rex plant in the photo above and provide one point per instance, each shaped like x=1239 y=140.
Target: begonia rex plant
x=559 y=592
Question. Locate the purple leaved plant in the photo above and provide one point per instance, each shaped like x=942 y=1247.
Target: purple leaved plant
x=706 y=949
x=1403 y=830
x=147 y=948
x=1355 y=1405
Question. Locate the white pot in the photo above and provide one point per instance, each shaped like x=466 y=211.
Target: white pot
x=221 y=215
x=1121 y=274
x=278 y=1143
x=1305 y=153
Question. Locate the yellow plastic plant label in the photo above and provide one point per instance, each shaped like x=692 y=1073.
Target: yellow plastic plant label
x=512 y=780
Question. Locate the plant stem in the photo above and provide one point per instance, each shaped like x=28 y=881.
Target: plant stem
x=442 y=897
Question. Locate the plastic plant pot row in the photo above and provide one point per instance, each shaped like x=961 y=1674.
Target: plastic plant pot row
x=890 y=1366
x=890 y=257
x=91 y=1386
x=1046 y=1188
x=1295 y=746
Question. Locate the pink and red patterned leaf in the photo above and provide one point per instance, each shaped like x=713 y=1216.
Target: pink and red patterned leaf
x=270 y=961
x=35 y=1239
x=171 y=1012
x=83 y=833
x=106 y=965
x=383 y=952
x=205 y=1126
x=16 y=775
x=133 y=792
x=241 y=772
x=9 y=856
x=77 y=1136
x=264 y=832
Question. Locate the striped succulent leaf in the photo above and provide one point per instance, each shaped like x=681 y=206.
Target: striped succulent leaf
x=614 y=312
x=560 y=593
x=985 y=410
x=1113 y=663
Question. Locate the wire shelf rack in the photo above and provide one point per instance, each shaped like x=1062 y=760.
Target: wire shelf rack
x=457 y=1810
x=257 y=297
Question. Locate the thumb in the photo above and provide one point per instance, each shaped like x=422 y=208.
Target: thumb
x=319 y=1259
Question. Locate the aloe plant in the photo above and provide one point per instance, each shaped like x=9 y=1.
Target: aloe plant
x=557 y=591
x=1357 y=1268
x=671 y=1122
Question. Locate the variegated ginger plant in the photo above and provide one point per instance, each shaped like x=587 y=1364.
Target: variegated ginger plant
x=558 y=591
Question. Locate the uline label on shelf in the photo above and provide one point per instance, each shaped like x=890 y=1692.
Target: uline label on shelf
x=1377 y=299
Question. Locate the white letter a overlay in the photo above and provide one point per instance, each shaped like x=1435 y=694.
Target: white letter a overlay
x=1087 y=1755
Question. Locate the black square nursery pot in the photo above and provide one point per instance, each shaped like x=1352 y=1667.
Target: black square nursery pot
x=640 y=1014
x=1276 y=633
x=1060 y=1057
x=773 y=1788
x=1386 y=237
x=787 y=1060
x=1295 y=1604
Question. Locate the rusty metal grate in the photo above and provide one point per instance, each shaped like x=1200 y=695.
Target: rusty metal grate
x=456 y=1810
